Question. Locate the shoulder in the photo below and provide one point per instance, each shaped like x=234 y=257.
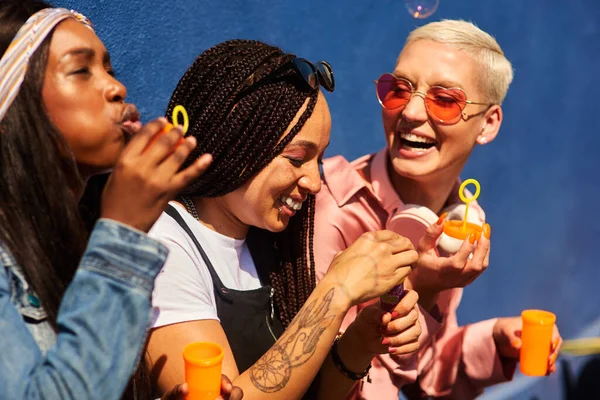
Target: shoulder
x=167 y=228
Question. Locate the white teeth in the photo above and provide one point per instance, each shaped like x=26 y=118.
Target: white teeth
x=414 y=138
x=413 y=149
x=294 y=205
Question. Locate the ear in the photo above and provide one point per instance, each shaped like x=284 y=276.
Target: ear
x=490 y=126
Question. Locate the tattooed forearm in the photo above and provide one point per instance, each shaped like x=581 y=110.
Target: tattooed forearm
x=272 y=371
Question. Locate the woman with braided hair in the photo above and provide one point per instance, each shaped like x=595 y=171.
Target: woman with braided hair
x=241 y=269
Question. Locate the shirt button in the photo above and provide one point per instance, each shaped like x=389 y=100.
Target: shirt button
x=33 y=300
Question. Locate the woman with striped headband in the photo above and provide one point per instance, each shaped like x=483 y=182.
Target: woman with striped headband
x=63 y=118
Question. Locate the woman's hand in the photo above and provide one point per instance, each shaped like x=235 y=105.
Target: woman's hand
x=228 y=391
x=372 y=265
x=435 y=274
x=144 y=179
x=507 y=336
x=383 y=332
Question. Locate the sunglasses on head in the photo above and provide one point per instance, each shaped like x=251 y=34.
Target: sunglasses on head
x=444 y=105
x=313 y=74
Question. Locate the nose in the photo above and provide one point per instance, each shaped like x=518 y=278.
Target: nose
x=115 y=91
x=415 y=110
x=311 y=180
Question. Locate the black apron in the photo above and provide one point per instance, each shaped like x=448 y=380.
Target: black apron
x=247 y=316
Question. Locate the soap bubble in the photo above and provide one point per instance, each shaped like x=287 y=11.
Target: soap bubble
x=421 y=8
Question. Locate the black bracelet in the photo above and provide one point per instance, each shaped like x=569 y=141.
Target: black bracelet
x=335 y=356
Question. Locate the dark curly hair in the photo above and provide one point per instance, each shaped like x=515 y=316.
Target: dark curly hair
x=241 y=98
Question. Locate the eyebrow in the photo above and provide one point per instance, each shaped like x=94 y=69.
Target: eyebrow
x=307 y=144
x=88 y=53
x=85 y=51
x=443 y=83
x=448 y=84
x=304 y=143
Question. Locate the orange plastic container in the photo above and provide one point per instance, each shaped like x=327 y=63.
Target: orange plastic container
x=203 y=361
x=167 y=128
x=454 y=228
x=536 y=340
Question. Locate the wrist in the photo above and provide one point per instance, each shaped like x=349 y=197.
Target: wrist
x=428 y=300
x=496 y=333
x=129 y=222
x=341 y=301
x=351 y=353
x=428 y=297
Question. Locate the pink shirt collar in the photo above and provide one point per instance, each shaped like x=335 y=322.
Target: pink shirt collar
x=381 y=187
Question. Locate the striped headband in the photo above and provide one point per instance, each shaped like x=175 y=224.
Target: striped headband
x=14 y=62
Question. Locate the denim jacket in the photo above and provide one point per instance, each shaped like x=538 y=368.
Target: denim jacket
x=102 y=321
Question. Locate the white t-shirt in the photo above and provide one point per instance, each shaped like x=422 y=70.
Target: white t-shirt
x=183 y=290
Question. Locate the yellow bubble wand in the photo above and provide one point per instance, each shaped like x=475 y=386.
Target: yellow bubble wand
x=462 y=229
x=467 y=201
x=179 y=109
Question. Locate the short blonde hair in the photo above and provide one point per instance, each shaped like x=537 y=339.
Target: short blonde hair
x=496 y=74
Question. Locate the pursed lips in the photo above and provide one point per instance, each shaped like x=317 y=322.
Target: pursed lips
x=130 y=120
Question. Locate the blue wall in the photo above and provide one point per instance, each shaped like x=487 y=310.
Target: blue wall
x=539 y=178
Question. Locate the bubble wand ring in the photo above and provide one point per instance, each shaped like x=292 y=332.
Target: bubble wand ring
x=179 y=109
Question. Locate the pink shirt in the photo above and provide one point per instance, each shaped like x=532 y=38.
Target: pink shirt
x=452 y=361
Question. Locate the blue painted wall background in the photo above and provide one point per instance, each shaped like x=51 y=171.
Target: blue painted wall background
x=539 y=178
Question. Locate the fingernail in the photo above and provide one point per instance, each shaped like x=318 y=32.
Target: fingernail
x=392 y=349
x=553 y=368
x=395 y=314
x=554 y=344
x=487 y=231
x=442 y=218
x=516 y=343
x=385 y=341
x=553 y=359
x=472 y=238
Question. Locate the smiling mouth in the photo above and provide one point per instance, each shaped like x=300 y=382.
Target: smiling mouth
x=416 y=143
x=290 y=203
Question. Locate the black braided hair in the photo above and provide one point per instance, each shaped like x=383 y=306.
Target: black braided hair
x=241 y=99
